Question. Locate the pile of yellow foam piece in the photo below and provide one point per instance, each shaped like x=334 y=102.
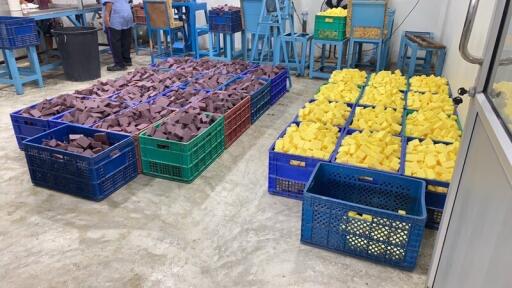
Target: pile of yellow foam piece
x=378 y=119
x=434 y=125
x=325 y=112
x=388 y=97
x=432 y=84
x=339 y=92
x=424 y=159
x=337 y=12
x=354 y=76
x=376 y=150
x=309 y=140
x=433 y=102
x=388 y=80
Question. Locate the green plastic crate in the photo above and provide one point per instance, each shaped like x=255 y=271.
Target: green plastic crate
x=178 y=153
x=186 y=174
x=330 y=28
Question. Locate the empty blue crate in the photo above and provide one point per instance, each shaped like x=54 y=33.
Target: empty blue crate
x=93 y=178
x=364 y=213
x=279 y=86
x=18 y=32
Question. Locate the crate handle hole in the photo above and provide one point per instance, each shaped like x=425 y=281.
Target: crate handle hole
x=297 y=163
x=360 y=216
x=114 y=153
x=366 y=179
x=58 y=157
x=162 y=146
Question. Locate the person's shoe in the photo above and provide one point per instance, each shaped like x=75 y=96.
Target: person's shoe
x=114 y=68
x=129 y=64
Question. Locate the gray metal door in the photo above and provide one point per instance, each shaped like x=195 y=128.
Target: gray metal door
x=474 y=242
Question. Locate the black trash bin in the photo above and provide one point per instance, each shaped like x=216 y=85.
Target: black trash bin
x=78 y=47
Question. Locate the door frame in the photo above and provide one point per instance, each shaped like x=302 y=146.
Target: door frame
x=479 y=109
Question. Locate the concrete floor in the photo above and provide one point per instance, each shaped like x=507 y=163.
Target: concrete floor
x=224 y=230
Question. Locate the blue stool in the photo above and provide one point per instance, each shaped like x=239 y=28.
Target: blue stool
x=291 y=57
x=369 y=15
x=227 y=51
x=11 y=74
x=318 y=72
x=416 y=42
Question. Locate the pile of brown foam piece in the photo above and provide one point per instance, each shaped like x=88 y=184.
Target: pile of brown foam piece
x=51 y=107
x=182 y=126
x=233 y=67
x=188 y=65
x=220 y=102
x=267 y=71
x=81 y=144
x=248 y=85
x=180 y=98
x=90 y=111
x=134 y=120
x=225 y=8
x=210 y=81
x=141 y=77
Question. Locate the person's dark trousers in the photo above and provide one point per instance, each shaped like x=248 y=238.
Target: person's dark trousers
x=120 y=44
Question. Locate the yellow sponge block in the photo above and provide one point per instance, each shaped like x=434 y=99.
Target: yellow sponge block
x=378 y=119
x=388 y=97
x=339 y=12
x=376 y=150
x=325 y=112
x=432 y=84
x=309 y=139
x=425 y=159
x=434 y=125
x=339 y=92
x=353 y=76
x=435 y=102
x=388 y=80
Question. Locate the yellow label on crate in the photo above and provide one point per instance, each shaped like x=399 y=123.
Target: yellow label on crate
x=298 y=163
x=360 y=216
x=402 y=212
x=329 y=20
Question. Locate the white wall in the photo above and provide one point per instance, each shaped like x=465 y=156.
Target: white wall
x=457 y=70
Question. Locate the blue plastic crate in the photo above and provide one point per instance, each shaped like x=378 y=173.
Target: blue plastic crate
x=361 y=213
x=225 y=22
x=18 y=32
x=260 y=102
x=402 y=132
x=28 y=126
x=279 y=86
x=349 y=118
x=93 y=178
x=348 y=132
x=288 y=174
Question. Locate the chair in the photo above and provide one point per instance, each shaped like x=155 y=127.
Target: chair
x=161 y=21
x=420 y=42
x=367 y=26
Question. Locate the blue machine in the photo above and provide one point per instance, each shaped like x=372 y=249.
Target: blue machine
x=371 y=14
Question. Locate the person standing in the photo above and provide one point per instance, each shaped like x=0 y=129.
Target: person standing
x=118 y=22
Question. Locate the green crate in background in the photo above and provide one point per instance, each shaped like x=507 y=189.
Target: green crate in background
x=178 y=153
x=330 y=28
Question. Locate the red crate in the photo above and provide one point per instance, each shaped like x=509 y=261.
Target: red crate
x=237 y=121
